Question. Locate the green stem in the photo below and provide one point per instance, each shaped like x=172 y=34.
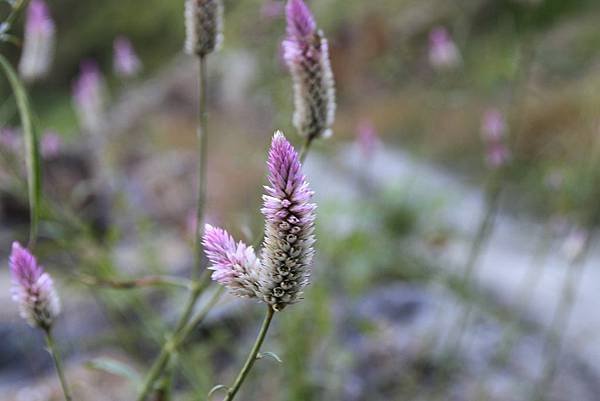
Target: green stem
x=232 y=391
x=305 y=148
x=57 y=364
x=201 y=143
x=161 y=362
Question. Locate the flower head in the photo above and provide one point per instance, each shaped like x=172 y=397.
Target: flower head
x=38 y=45
x=126 y=63
x=306 y=53
x=33 y=289
x=235 y=265
x=443 y=53
x=289 y=225
x=50 y=144
x=203 y=26
x=88 y=96
x=493 y=132
x=367 y=138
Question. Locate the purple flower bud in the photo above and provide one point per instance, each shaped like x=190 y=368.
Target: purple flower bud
x=235 y=265
x=493 y=132
x=306 y=53
x=88 y=96
x=367 y=138
x=32 y=289
x=50 y=144
x=289 y=225
x=203 y=26
x=443 y=53
x=126 y=63
x=38 y=45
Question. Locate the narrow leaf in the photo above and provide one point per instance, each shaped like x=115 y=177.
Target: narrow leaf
x=32 y=157
x=116 y=368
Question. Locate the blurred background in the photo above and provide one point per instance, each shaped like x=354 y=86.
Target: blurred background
x=458 y=201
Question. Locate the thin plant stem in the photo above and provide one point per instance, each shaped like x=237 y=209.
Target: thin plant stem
x=560 y=322
x=305 y=148
x=53 y=350
x=142 y=282
x=201 y=143
x=232 y=391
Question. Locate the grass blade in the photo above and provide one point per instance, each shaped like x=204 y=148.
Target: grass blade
x=32 y=157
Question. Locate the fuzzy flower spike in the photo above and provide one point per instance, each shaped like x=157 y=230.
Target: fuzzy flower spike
x=235 y=265
x=33 y=289
x=203 y=26
x=38 y=45
x=289 y=225
x=306 y=53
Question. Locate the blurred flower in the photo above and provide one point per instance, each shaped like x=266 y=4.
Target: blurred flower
x=493 y=132
x=272 y=9
x=235 y=265
x=88 y=96
x=9 y=140
x=554 y=180
x=575 y=244
x=125 y=61
x=443 y=53
x=50 y=144
x=306 y=53
x=38 y=44
x=203 y=26
x=33 y=289
x=289 y=225
x=367 y=138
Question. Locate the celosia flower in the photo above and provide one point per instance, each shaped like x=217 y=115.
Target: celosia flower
x=126 y=63
x=306 y=53
x=289 y=225
x=38 y=44
x=33 y=289
x=367 y=138
x=9 y=140
x=50 y=144
x=493 y=131
x=443 y=53
x=88 y=96
x=203 y=26
x=235 y=265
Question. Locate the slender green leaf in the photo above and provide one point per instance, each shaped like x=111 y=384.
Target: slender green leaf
x=116 y=368
x=32 y=157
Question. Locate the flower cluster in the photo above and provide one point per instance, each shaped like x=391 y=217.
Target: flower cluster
x=493 y=130
x=38 y=45
x=306 y=53
x=283 y=270
x=203 y=26
x=33 y=289
x=89 y=96
x=126 y=63
x=443 y=53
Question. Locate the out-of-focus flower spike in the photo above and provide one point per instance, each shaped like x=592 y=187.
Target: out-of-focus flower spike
x=493 y=132
x=126 y=63
x=289 y=226
x=89 y=96
x=32 y=289
x=39 y=40
x=203 y=26
x=443 y=53
x=306 y=53
x=50 y=144
x=235 y=265
x=367 y=138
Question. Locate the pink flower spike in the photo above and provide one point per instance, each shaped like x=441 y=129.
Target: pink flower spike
x=38 y=45
x=89 y=96
x=289 y=226
x=33 y=289
x=493 y=125
x=300 y=21
x=443 y=53
x=234 y=265
x=367 y=138
x=126 y=63
x=50 y=145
